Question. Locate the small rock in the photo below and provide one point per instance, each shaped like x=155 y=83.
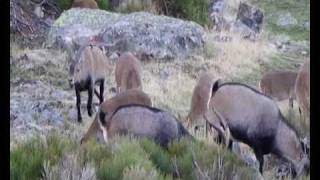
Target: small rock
x=306 y=25
x=38 y=11
x=286 y=20
x=304 y=52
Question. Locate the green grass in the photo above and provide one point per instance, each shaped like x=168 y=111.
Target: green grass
x=299 y=9
x=193 y=10
x=123 y=157
x=104 y=4
x=26 y=161
x=64 y=4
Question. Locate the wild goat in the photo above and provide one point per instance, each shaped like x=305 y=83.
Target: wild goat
x=143 y=121
x=302 y=87
x=279 y=85
x=128 y=72
x=91 y=4
x=256 y=120
x=201 y=95
x=88 y=68
x=132 y=96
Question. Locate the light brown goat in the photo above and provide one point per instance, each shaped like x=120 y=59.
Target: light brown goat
x=279 y=85
x=88 y=67
x=200 y=98
x=128 y=72
x=132 y=96
x=91 y=4
x=199 y=109
x=302 y=87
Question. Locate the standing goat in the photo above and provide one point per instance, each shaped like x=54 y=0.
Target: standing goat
x=279 y=85
x=128 y=72
x=256 y=120
x=302 y=87
x=143 y=121
x=107 y=108
x=88 y=68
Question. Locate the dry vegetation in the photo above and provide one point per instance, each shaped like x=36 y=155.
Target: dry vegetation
x=170 y=84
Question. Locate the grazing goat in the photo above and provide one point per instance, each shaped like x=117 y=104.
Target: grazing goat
x=279 y=85
x=256 y=120
x=91 y=4
x=128 y=72
x=143 y=121
x=201 y=95
x=302 y=87
x=88 y=68
x=107 y=108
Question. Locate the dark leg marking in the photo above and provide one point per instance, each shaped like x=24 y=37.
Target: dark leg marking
x=101 y=90
x=260 y=159
x=89 y=103
x=78 y=103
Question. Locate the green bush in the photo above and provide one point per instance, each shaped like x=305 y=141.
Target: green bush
x=193 y=10
x=126 y=153
x=94 y=152
x=160 y=158
x=64 y=4
x=26 y=160
x=104 y=4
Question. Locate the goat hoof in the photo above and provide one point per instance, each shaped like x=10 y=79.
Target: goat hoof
x=90 y=111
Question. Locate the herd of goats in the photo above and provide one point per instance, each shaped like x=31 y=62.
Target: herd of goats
x=234 y=110
x=237 y=112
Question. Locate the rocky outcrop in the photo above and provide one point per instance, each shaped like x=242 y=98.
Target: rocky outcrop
x=250 y=16
x=247 y=21
x=145 y=34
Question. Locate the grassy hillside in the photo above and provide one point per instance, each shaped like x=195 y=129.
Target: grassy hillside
x=46 y=149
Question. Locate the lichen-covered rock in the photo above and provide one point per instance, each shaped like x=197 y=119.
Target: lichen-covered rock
x=250 y=16
x=247 y=21
x=145 y=34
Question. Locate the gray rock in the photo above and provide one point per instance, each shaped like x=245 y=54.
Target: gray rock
x=247 y=22
x=144 y=34
x=251 y=16
x=286 y=20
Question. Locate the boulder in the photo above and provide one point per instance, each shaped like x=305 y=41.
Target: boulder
x=144 y=34
x=251 y=16
x=247 y=20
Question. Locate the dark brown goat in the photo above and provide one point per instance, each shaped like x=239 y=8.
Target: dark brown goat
x=256 y=120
